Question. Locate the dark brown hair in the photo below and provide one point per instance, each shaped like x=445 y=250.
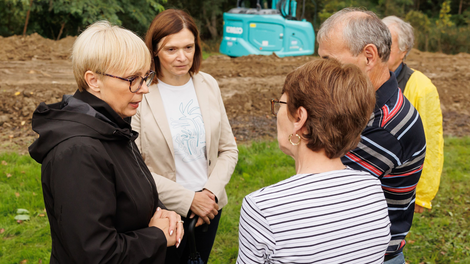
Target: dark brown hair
x=168 y=22
x=339 y=100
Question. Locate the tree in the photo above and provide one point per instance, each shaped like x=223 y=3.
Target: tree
x=56 y=18
x=206 y=13
x=422 y=27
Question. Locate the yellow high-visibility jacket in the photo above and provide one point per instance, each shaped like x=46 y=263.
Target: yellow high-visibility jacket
x=423 y=95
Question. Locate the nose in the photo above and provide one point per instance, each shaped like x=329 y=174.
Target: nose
x=181 y=56
x=144 y=89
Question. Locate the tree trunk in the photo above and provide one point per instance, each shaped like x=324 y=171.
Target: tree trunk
x=211 y=24
x=426 y=42
x=61 y=29
x=27 y=18
x=460 y=7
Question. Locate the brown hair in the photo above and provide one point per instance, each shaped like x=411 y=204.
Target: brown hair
x=339 y=100
x=168 y=22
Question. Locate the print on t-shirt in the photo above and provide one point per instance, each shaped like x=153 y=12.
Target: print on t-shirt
x=187 y=133
x=190 y=142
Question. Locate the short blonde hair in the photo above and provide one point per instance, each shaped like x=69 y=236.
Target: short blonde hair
x=105 y=48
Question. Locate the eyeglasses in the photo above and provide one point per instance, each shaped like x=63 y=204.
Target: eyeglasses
x=275 y=105
x=134 y=87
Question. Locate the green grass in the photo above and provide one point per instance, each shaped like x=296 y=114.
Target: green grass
x=206 y=55
x=442 y=235
x=439 y=236
x=20 y=187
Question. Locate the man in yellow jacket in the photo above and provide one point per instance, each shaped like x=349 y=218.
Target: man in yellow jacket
x=420 y=91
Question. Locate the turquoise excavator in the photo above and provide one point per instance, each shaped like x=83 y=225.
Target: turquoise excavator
x=264 y=31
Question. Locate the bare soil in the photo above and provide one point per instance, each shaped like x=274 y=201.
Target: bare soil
x=34 y=69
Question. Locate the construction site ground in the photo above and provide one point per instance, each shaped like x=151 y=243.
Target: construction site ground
x=34 y=70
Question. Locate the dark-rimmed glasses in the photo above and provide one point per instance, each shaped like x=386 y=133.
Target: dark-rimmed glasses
x=134 y=87
x=275 y=105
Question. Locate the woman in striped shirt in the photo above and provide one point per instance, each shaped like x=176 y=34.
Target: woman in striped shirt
x=326 y=213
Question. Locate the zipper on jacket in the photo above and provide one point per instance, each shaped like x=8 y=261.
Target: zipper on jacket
x=138 y=164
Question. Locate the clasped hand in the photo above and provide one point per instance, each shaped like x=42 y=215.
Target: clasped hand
x=204 y=206
x=168 y=222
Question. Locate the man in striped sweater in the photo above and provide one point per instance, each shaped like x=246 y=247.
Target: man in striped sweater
x=393 y=144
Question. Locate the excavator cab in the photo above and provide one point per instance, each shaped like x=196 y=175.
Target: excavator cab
x=264 y=31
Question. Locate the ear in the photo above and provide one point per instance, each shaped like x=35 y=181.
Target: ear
x=371 y=55
x=402 y=55
x=299 y=120
x=93 y=82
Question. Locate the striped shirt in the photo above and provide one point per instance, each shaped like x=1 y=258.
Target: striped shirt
x=392 y=148
x=331 y=217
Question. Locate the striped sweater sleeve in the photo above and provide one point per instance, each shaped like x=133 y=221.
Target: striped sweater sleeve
x=256 y=239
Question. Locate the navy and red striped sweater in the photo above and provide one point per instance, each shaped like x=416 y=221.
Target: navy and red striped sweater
x=392 y=148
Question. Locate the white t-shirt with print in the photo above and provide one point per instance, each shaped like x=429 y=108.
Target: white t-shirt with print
x=188 y=133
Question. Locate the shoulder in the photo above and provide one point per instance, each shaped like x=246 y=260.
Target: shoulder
x=271 y=192
x=79 y=147
x=77 y=155
x=205 y=78
x=418 y=79
x=419 y=76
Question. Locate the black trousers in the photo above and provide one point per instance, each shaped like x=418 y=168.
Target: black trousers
x=205 y=236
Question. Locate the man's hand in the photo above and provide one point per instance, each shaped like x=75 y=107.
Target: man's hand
x=419 y=209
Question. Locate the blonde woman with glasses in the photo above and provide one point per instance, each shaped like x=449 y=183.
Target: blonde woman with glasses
x=101 y=200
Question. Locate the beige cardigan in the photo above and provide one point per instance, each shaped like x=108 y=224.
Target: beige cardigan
x=156 y=144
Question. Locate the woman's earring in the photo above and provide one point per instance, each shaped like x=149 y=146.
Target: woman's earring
x=290 y=139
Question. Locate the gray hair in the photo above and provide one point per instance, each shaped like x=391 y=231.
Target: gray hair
x=404 y=32
x=359 y=31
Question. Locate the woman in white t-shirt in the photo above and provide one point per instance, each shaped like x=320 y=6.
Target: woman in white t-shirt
x=327 y=212
x=185 y=136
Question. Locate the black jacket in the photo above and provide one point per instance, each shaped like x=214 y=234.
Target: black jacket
x=99 y=194
x=404 y=76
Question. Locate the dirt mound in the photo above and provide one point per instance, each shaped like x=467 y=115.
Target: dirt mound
x=451 y=75
x=38 y=70
x=34 y=47
x=252 y=66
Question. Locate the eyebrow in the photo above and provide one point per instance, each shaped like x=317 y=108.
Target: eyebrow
x=167 y=47
x=137 y=74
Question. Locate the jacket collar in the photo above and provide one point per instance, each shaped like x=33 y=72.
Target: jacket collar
x=103 y=108
x=386 y=91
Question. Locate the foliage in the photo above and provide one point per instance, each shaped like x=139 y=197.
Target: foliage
x=444 y=16
x=441 y=25
x=422 y=27
x=56 y=18
x=206 y=13
x=437 y=236
x=330 y=7
x=395 y=7
x=441 y=34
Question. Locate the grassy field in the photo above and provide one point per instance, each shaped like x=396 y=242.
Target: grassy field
x=439 y=236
